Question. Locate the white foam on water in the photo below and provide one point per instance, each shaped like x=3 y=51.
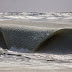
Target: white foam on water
x=33 y=60
x=36 y=16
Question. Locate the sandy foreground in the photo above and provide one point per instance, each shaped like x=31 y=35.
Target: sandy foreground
x=48 y=68
x=23 y=69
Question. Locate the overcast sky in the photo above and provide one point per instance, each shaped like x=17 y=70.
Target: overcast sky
x=35 y=5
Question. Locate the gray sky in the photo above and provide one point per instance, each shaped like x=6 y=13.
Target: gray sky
x=35 y=5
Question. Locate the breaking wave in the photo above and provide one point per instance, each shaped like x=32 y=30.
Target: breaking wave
x=51 y=36
x=46 y=41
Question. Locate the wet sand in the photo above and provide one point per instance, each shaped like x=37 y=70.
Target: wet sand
x=16 y=69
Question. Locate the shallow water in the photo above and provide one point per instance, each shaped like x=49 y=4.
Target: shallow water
x=34 y=60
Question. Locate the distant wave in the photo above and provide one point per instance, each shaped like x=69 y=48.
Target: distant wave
x=36 y=15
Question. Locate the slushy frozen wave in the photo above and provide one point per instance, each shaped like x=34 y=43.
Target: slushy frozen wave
x=36 y=37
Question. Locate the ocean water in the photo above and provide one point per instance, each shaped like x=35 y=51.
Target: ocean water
x=36 y=15
x=24 y=30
